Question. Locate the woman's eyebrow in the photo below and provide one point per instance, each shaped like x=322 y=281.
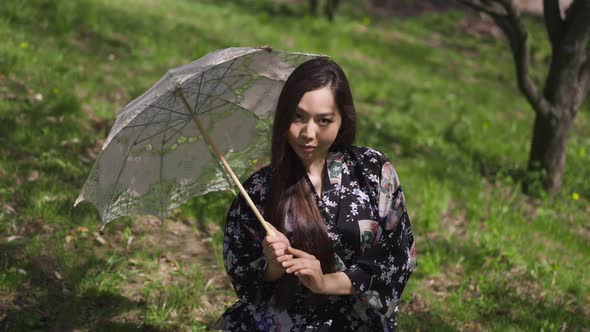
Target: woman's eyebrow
x=319 y=114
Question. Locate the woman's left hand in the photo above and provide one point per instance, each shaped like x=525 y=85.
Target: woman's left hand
x=307 y=268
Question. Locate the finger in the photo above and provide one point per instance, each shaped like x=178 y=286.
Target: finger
x=297 y=267
x=300 y=253
x=276 y=232
x=284 y=258
x=271 y=229
x=278 y=245
x=282 y=236
x=277 y=252
x=296 y=261
x=304 y=273
x=268 y=240
x=272 y=239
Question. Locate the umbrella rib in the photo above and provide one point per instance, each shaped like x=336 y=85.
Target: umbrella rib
x=216 y=107
x=154 y=123
x=181 y=128
x=217 y=98
x=228 y=76
x=198 y=93
x=219 y=80
x=125 y=162
x=161 y=168
x=229 y=87
x=158 y=133
x=248 y=75
x=223 y=92
x=168 y=110
x=236 y=104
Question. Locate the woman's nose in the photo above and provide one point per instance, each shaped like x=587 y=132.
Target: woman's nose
x=308 y=131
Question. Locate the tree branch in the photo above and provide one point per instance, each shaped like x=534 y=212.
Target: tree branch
x=481 y=8
x=512 y=26
x=553 y=21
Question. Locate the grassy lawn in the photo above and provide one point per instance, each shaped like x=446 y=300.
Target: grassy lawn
x=437 y=98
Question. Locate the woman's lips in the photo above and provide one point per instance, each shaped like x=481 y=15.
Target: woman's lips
x=307 y=148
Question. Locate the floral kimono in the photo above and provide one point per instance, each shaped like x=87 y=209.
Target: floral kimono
x=363 y=206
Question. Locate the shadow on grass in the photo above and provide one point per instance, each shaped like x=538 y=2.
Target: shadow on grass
x=488 y=165
x=271 y=8
x=424 y=321
x=455 y=165
x=493 y=291
x=47 y=300
x=99 y=31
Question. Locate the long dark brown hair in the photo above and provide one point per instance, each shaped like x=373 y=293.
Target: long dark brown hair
x=291 y=192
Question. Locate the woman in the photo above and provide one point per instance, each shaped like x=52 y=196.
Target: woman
x=343 y=248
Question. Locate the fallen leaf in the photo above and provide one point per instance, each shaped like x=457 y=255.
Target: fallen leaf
x=129 y=240
x=8 y=209
x=209 y=283
x=33 y=176
x=99 y=239
x=57 y=275
x=14 y=238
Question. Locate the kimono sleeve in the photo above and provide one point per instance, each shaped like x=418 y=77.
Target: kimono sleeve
x=242 y=250
x=381 y=271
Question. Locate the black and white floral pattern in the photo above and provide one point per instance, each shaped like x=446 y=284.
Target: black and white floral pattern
x=366 y=218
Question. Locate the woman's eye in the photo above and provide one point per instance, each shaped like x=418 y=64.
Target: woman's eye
x=298 y=116
x=325 y=121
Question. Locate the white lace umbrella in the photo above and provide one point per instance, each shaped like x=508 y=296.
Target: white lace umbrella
x=169 y=144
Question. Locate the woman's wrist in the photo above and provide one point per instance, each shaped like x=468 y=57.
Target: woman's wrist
x=336 y=283
x=273 y=272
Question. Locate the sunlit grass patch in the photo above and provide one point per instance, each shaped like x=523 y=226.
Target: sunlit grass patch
x=440 y=102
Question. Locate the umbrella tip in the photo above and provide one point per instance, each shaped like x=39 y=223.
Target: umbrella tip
x=265 y=48
x=78 y=200
x=101 y=229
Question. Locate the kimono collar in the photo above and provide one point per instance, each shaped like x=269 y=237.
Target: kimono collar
x=334 y=165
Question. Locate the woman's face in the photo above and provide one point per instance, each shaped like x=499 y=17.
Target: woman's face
x=315 y=125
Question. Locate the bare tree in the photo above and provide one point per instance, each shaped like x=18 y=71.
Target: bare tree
x=566 y=84
x=330 y=7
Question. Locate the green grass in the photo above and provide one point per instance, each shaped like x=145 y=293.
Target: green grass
x=442 y=104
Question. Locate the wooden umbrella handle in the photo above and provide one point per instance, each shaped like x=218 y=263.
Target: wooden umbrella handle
x=209 y=141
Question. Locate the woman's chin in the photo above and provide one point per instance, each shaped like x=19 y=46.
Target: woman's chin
x=310 y=157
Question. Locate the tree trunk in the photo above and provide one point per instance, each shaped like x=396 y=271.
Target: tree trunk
x=313 y=7
x=566 y=86
x=548 y=151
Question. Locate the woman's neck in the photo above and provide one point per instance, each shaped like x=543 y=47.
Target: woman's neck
x=314 y=168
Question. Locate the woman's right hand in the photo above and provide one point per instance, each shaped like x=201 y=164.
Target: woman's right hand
x=274 y=248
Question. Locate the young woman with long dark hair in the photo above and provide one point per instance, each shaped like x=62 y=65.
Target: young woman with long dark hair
x=343 y=248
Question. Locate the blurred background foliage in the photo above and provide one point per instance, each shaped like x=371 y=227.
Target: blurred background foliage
x=434 y=88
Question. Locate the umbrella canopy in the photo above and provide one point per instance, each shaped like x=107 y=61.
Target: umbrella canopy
x=162 y=148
